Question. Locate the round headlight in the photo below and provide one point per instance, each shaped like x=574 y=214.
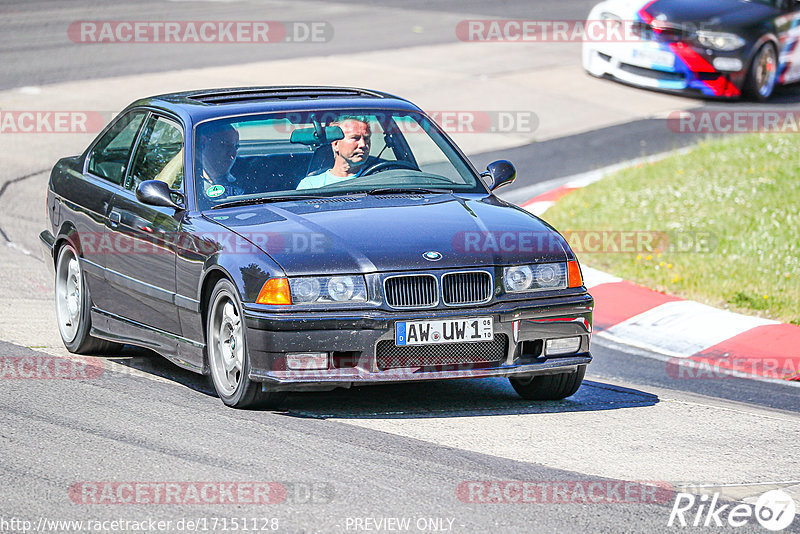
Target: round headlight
x=519 y=278
x=305 y=290
x=341 y=288
x=546 y=276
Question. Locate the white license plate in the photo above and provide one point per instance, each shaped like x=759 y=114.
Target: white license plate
x=445 y=331
x=658 y=58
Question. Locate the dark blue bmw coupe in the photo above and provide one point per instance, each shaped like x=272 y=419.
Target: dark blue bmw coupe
x=305 y=238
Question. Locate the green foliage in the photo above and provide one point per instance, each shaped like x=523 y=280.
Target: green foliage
x=731 y=210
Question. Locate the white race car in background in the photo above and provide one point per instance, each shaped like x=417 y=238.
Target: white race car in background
x=714 y=48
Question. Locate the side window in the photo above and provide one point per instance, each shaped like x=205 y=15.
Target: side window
x=109 y=157
x=159 y=155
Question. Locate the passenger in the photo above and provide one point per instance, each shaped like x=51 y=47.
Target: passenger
x=217 y=147
x=350 y=155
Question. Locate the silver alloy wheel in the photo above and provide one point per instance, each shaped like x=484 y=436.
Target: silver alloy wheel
x=69 y=293
x=226 y=344
x=766 y=72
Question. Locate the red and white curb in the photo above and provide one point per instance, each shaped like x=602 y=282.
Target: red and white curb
x=696 y=340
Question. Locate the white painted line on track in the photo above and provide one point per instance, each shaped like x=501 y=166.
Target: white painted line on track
x=593 y=277
x=699 y=327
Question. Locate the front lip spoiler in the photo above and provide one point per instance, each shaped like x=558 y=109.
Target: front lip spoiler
x=345 y=378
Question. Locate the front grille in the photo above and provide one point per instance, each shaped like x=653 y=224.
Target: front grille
x=653 y=73
x=414 y=291
x=664 y=33
x=390 y=356
x=466 y=288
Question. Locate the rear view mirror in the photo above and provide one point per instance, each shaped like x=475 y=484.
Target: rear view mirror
x=309 y=136
x=502 y=173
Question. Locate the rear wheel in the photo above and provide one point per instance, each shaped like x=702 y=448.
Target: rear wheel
x=549 y=387
x=227 y=352
x=763 y=74
x=73 y=307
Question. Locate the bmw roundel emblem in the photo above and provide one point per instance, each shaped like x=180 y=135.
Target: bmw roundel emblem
x=432 y=255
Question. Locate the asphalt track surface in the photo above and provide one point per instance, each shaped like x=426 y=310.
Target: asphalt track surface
x=390 y=451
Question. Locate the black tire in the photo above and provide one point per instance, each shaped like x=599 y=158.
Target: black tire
x=233 y=386
x=81 y=342
x=762 y=74
x=549 y=387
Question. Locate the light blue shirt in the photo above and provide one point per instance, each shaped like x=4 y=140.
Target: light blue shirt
x=321 y=180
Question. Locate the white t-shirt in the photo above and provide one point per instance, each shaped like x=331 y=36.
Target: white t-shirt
x=321 y=180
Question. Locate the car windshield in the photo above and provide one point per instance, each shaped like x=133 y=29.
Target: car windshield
x=324 y=153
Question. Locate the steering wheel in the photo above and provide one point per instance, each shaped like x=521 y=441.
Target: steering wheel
x=384 y=165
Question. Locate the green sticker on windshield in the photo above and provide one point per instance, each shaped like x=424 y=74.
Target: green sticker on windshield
x=215 y=191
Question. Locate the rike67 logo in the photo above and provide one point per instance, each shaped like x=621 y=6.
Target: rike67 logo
x=774 y=510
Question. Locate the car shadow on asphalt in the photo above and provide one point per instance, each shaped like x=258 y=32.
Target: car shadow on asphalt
x=447 y=398
x=456 y=398
x=143 y=361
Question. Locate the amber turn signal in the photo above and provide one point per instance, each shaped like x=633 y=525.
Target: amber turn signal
x=275 y=291
x=574 y=274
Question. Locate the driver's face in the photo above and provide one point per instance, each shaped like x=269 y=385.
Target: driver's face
x=354 y=148
x=219 y=153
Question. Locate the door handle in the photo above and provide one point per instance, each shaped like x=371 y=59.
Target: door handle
x=114 y=218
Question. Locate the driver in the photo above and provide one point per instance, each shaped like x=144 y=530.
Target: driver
x=350 y=155
x=217 y=147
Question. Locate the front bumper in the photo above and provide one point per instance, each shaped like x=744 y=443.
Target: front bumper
x=352 y=339
x=47 y=242
x=666 y=66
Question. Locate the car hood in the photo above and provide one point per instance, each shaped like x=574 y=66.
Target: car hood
x=713 y=13
x=393 y=233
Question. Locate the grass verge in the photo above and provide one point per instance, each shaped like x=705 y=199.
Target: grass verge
x=726 y=218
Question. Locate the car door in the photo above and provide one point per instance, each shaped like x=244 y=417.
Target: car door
x=88 y=201
x=141 y=272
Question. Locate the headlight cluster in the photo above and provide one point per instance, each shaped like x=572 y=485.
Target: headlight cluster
x=537 y=277
x=720 y=40
x=327 y=289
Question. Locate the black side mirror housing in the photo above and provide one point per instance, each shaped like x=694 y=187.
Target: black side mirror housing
x=156 y=193
x=502 y=172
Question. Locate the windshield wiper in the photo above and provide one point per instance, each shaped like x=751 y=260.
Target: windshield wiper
x=265 y=200
x=401 y=190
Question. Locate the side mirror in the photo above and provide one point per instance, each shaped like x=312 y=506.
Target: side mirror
x=502 y=173
x=156 y=193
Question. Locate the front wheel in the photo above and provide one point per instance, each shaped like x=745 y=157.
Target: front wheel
x=549 y=387
x=227 y=352
x=763 y=74
x=73 y=307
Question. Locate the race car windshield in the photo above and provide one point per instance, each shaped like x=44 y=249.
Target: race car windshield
x=325 y=153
